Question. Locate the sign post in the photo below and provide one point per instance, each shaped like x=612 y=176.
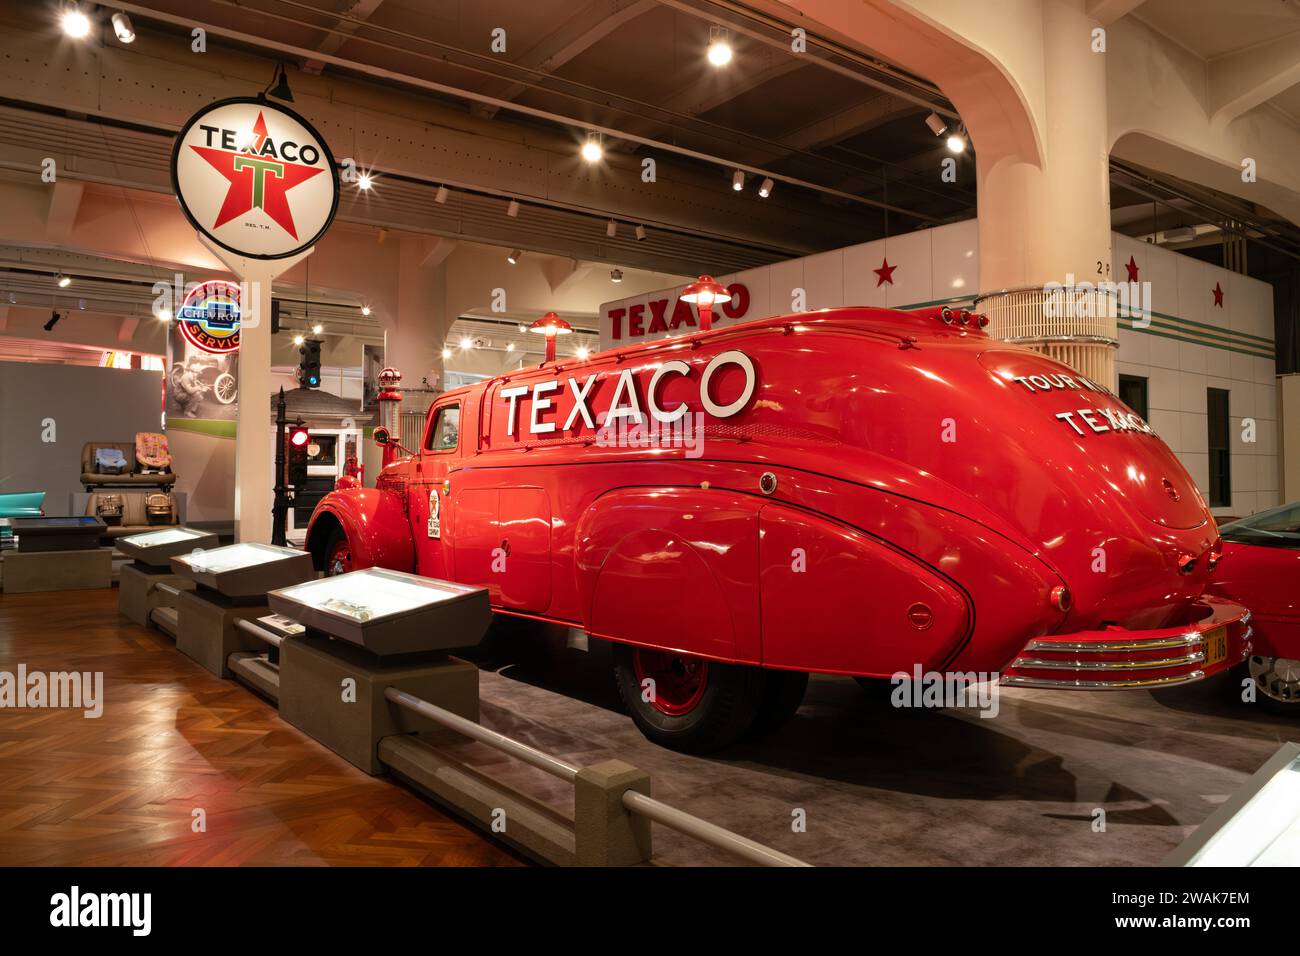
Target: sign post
x=260 y=186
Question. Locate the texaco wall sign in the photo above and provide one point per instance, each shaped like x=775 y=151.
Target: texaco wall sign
x=255 y=178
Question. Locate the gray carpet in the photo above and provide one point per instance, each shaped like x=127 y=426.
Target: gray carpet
x=915 y=788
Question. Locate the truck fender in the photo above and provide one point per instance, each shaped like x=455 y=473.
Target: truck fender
x=376 y=523
x=672 y=568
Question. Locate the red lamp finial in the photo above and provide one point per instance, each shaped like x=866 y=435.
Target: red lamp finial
x=705 y=292
x=550 y=325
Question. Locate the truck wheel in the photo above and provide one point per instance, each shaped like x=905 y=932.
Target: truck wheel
x=782 y=694
x=1277 y=683
x=697 y=706
x=338 y=553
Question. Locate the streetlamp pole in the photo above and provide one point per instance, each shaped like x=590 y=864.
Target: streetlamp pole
x=280 y=507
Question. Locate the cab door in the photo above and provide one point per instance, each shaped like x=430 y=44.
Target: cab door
x=442 y=451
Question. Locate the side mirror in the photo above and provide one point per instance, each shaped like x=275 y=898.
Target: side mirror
x=382 y=437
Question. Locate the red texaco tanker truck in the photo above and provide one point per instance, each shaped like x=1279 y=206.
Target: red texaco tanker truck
x=853 y=491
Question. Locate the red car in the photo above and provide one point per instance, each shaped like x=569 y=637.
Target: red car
x=1261 y=569
x=863 y=492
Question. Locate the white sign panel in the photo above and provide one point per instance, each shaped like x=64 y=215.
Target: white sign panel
x=255 y=178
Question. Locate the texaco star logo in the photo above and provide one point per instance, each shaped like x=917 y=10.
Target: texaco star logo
x=257 y=183
x=255 y=178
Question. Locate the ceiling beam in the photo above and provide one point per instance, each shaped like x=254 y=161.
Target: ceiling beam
x=126 y=329
x=853 y=121
x=65 y=200
x=1107 y=12
x=350 y=20
x=1241 y=81
x=578 y=34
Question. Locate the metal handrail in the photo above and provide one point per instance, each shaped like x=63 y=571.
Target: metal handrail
x=706 y=832
x=633 y=802
x=261 y=633
x=529 y=755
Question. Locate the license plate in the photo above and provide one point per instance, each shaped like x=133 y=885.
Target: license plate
x=1216 y=646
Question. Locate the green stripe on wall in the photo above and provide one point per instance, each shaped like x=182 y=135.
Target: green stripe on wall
x=204 y=426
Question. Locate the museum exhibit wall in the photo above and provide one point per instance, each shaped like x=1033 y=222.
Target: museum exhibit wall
x=80 y=403
x=1191 y=345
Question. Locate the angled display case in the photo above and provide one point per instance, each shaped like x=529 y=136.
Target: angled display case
x=246 y=570
x=388 y=612
x=157 y=548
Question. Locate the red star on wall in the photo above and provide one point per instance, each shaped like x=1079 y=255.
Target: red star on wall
x=1218 y=295
x=885 y=273
x=257 y=181
x=1132 y=268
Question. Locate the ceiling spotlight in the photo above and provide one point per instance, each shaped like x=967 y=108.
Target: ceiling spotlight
x=63 y=281
x=365 y=310
x=122 y=27
x=515 y=256
x=640 y=233
x=765 y=187
x=440 y=196
x=592 y=151
x=616 y=275
x=738 y=180
x=582 y=353
x=446 y=353
x=510 y=346
x=957 y=141
x=13 y=298
x=298 y=339
x=54 y=320
x=611 y=229
x=512 y=210
x=466 y=342
x=76 y=25
x=164 y=314
x=365 y=182
x=719 y=47
x=317 y=329
x=938 y=126
x=81 y=304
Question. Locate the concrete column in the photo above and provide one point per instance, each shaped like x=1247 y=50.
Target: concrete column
x=1049 y=221
x=416 y=325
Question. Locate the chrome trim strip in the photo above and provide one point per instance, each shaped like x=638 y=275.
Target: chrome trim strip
x=1135 y=644
x=1051 y=684
x=1038 y=663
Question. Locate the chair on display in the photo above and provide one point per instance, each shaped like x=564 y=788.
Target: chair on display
x=106 y=464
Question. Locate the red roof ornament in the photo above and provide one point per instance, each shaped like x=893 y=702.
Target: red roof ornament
x=704 y=293
x=550 y=325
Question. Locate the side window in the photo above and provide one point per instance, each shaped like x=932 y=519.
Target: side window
x=446 y=429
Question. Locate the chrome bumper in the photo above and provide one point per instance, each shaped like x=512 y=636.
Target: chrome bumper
x=1116 y=659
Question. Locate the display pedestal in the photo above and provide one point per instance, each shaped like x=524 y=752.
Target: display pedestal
x=138 y=594
x=28 y=571
x=351 y=718
x=206 y=632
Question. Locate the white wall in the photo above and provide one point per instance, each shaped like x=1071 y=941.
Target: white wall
x=1191 y=344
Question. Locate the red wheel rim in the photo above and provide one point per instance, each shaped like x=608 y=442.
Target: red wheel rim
x=339 y=560
x=679 y=681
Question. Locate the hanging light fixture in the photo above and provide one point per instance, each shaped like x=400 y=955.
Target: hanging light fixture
x=122 y=27
x=515 y=256
x=592 y=151
x=765 y=187
x=440 y=196
x=611 y=229
x=280 y=82
x=938 y=126
x=738 y=180
x=719 y=52
x=75 y=23
x=512 y=209
x=957 y=140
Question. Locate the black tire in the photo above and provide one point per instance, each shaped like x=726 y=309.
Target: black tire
x=783 y=692
x=723 y=714
x=1281 y=698
x=336 y=536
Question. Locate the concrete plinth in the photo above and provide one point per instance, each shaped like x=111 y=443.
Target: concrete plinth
x=27 y=571
x=351 y=718
x=606 y=834
x=138 y=594
x=205 y=628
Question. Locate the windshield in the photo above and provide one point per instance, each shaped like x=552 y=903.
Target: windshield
x=1279 y=527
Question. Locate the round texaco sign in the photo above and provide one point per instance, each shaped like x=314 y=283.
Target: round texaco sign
x=255 y=178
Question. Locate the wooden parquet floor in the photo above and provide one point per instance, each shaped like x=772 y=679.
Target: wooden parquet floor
x=122 y=789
